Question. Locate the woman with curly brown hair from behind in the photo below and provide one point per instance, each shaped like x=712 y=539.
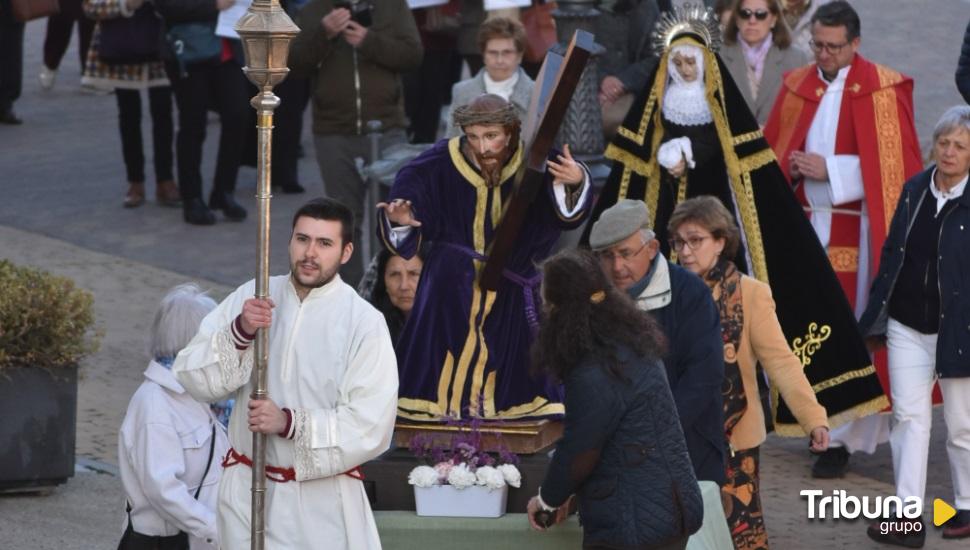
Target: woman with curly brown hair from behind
x=622 y=452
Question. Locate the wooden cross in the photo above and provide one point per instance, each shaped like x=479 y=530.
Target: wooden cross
x=554 y=90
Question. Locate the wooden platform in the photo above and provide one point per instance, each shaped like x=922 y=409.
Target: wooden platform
x=527 y=437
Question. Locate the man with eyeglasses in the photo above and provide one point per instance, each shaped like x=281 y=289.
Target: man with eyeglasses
x=630 y=256
x=842 y=129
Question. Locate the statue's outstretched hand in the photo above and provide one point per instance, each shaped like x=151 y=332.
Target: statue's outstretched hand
x=399 y=212
x=567 y=171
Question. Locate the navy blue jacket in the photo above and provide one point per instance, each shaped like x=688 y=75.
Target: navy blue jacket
x=623 y=455
x=695 y=369
x=953 y=267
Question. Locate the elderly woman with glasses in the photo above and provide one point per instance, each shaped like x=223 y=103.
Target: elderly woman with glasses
x=704 y=237
x=501 y=42
x=919 y=306
x=758 y=52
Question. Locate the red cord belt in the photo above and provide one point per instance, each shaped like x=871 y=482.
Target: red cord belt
x=275 y=473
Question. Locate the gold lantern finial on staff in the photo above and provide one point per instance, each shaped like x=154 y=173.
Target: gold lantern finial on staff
x=266 y=32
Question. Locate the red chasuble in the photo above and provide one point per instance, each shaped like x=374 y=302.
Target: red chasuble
x=875 y=123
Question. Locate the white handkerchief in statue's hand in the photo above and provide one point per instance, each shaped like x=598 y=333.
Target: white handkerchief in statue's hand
x=671 y=152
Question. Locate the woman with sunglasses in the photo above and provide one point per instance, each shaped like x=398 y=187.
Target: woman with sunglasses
x=704 y=236
x=758 y=52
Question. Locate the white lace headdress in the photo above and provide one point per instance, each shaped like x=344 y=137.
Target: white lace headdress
x=685 y=103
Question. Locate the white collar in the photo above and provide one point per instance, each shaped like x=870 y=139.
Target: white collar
x=162 y=376
x=839 y=81
x=658 y=291
x=502 y=88
x=954 y=192
x=318 y=292
x=686 y=104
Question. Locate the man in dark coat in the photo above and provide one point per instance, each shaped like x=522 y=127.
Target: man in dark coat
x=630 y=255
x=354 y=62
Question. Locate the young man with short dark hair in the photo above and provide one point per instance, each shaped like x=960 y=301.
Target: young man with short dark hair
x=332 y=380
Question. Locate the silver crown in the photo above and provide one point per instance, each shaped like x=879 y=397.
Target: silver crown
x=692 y=19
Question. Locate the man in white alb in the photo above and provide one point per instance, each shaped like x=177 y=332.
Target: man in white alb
x=332 y=381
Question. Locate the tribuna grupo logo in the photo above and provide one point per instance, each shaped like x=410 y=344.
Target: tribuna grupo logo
x=901 y=515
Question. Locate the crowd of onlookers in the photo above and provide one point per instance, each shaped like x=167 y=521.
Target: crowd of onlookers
x=384 y=62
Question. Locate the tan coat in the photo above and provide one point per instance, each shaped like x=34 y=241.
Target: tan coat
x=762 y=341
x=777 y=63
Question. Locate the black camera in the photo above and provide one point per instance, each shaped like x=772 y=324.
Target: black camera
x=360 y=11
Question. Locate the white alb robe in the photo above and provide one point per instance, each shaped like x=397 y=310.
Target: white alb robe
x=845 y=185
x=330 y=362
x=845 y=181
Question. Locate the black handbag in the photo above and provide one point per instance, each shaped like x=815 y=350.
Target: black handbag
x=129 y=40
x=133 y=540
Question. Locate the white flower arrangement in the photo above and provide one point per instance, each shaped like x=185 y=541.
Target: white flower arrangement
x=490 y=477
x=511 y=474
x=460 y=476
x=463 y=463
x=423 y=476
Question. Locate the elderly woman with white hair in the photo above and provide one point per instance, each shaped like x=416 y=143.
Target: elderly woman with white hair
x=919 y=307
x=170 y=445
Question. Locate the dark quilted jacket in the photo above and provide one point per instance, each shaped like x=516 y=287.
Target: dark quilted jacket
x=623 y=455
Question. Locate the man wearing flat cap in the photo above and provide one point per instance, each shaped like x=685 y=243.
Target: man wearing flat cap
x=630 y=255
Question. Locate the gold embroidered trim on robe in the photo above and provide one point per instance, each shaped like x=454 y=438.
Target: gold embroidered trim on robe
x=889 y=139
x=844 y=259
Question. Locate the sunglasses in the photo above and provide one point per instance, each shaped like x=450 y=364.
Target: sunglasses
x=746 y=14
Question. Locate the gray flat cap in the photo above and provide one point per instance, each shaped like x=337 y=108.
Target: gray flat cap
x=619 y=222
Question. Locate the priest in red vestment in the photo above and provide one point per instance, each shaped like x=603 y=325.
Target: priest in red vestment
x=842 y=129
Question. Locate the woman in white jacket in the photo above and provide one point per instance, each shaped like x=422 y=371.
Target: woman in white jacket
x=170 y=445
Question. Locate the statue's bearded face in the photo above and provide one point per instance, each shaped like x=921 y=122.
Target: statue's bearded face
x=489 y=145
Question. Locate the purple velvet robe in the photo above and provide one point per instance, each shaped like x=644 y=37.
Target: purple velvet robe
x=464 y=352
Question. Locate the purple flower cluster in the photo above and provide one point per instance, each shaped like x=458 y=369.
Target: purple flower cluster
x=462 y=447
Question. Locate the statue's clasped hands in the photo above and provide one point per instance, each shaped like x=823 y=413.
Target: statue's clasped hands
x=678 y=169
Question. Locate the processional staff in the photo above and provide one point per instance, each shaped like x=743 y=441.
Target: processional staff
x=266 y=32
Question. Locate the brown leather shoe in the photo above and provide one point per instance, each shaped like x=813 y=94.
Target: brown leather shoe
x=958 y=527
x=167 y=194
x=135 y=196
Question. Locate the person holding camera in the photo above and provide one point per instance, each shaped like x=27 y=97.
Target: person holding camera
x=355 y=53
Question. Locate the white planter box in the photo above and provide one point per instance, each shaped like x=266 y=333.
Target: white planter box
x=472 y=502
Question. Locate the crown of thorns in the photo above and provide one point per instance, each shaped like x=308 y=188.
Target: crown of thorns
x=472 y=114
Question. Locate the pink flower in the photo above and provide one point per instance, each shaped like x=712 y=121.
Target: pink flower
x=443 y=469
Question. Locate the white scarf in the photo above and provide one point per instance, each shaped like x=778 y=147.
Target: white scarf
x=503 y=88
x=685 y=103
x=755 y=55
